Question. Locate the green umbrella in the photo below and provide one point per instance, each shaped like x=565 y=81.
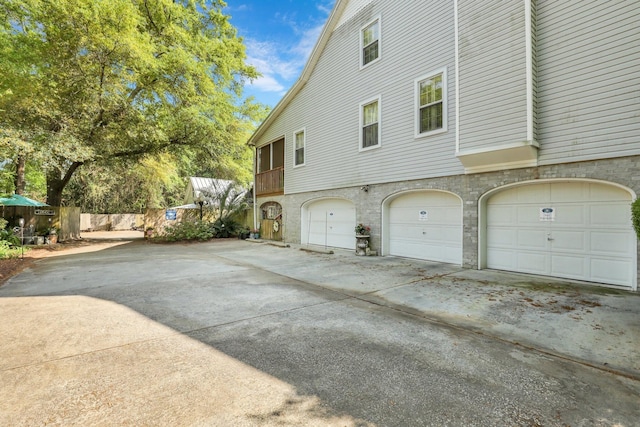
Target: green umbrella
x=18 y=200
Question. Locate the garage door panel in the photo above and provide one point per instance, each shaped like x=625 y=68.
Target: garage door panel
x=502 y=259
x=504 y=237
x=531 y=262
x=608 y=193
x=501 y=215
x=590 y=233
x=531 y=239
x=569 y=240
x=528 y=215
x=569 y=192
x=410 y=249
x=527 y=193
x=570 y=266
x=426 y=225
x=569 y=216
x=611 y=242
x=444 y=215
x=611 y=215
x=618 y=272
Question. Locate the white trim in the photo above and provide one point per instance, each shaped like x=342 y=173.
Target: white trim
x=304 y=146
x=482 y=215
x=457 y=72
x=506 y=156
x=377 y=99
x=529 y=67
x=416 y=106
x=360 y=52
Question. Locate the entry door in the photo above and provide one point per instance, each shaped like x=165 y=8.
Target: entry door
x=332 y=222
x=576 y=230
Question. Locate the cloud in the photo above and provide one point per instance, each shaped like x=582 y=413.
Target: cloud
x=239 y=8
x=306 y=44
x=281 y=61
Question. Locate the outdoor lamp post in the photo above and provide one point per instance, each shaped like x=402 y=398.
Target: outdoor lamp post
x=199 y=200
x=21 y=222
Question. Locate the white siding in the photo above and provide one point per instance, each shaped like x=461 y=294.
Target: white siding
x=351 y=9
x=492 y=61
x=589 y=69
x=415 y=40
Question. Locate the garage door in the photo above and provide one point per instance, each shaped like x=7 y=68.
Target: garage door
x=426 y=225
x=331 y=222
x=575 y=230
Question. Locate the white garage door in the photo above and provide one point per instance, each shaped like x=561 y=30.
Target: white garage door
x=426 y=225
x=331 y=222
x=576 y=230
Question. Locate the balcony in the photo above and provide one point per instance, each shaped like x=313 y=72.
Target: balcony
x=270 y=182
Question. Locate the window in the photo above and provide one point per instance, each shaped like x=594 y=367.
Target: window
x=370 y=123
x=431 y=100
x=271 y=156
x=298 y=150
x=264 y=158
x=370 y=42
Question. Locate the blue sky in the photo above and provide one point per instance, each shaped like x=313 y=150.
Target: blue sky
x=279 y=36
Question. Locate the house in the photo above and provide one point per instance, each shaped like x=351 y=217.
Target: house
x=205 y=190
x=496 y=134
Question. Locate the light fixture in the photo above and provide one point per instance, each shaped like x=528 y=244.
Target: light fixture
x=199 y=200
x=21 y=222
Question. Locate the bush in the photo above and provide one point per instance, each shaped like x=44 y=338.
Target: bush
x=635 y=216
x=8 y=235
x=7 y=251
x=196 y=230
x=225 y=227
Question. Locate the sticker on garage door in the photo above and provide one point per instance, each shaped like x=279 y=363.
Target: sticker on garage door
x=547 y=214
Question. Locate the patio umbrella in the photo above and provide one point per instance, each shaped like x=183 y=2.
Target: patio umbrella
x=18 y=200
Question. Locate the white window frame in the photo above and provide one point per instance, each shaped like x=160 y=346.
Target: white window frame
x=377 y=99
x=361 y=52
x=417 y=106
x=302 y=131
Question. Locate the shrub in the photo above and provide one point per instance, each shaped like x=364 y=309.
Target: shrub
x=8 y=235
x=188 y=230
x=226 y=227
x=635 y=216
x=8 y=251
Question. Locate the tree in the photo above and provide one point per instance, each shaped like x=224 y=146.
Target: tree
x=95 y=81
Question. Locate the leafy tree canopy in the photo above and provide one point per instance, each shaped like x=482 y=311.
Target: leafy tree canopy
x=103 y=82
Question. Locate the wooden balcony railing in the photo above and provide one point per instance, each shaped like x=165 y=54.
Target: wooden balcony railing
x=270 y=182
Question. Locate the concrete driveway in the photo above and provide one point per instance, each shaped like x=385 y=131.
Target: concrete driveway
x=235 y=333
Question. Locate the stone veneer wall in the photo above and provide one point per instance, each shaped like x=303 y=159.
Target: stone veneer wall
x=624 y=171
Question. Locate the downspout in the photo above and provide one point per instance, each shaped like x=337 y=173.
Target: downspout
x=255 y=198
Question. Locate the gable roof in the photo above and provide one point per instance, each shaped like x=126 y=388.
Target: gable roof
x=330 y=25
